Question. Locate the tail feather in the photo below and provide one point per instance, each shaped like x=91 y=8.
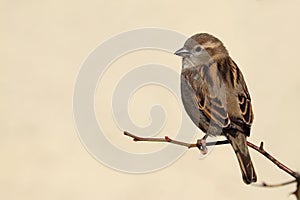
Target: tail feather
x=239 y=144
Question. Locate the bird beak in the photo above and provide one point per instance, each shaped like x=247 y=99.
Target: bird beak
x=183 y=52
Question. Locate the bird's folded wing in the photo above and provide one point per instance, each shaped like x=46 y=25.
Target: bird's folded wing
x=213 y=109
x=210 y=105
x=246 y=109
x=244 y=99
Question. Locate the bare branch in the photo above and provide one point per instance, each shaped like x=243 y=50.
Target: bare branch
x=167 y=139
x=264 y=184
x=260 y=149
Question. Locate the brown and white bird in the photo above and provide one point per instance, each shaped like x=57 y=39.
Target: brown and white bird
x=215 y=95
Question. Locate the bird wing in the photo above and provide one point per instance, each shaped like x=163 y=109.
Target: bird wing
x=244 y=101
x=213 y=102
x=246 y=109
x=212 y=106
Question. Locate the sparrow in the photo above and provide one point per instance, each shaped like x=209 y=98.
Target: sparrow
x=215 y=96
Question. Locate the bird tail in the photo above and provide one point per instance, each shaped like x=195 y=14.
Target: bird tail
x=239 y=144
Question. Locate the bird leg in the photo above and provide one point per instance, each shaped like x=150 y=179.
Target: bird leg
x=201 y=144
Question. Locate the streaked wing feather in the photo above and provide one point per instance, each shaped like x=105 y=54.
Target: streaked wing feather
x=210 y=105
x=214 y=110
x=246 y=109
x=244 y=100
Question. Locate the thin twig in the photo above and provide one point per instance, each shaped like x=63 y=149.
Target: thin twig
x=264 y=184
x=274 y=160
x=260 y=149
x=167 y=139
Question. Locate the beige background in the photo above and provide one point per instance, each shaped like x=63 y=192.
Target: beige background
x=43 y=44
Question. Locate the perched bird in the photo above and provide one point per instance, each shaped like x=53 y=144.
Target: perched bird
x=215 y=95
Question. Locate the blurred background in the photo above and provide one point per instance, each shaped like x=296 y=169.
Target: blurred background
x=43 y=44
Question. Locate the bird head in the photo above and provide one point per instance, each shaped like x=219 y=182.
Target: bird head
x=200 y=49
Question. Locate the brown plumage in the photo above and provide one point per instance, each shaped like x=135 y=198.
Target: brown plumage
x=215 y=95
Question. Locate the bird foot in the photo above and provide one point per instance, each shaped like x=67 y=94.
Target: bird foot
x=201 y=144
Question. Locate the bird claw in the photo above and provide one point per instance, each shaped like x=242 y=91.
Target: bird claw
x=201 y=144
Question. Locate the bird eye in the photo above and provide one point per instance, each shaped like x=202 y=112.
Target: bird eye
x=198 y=49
